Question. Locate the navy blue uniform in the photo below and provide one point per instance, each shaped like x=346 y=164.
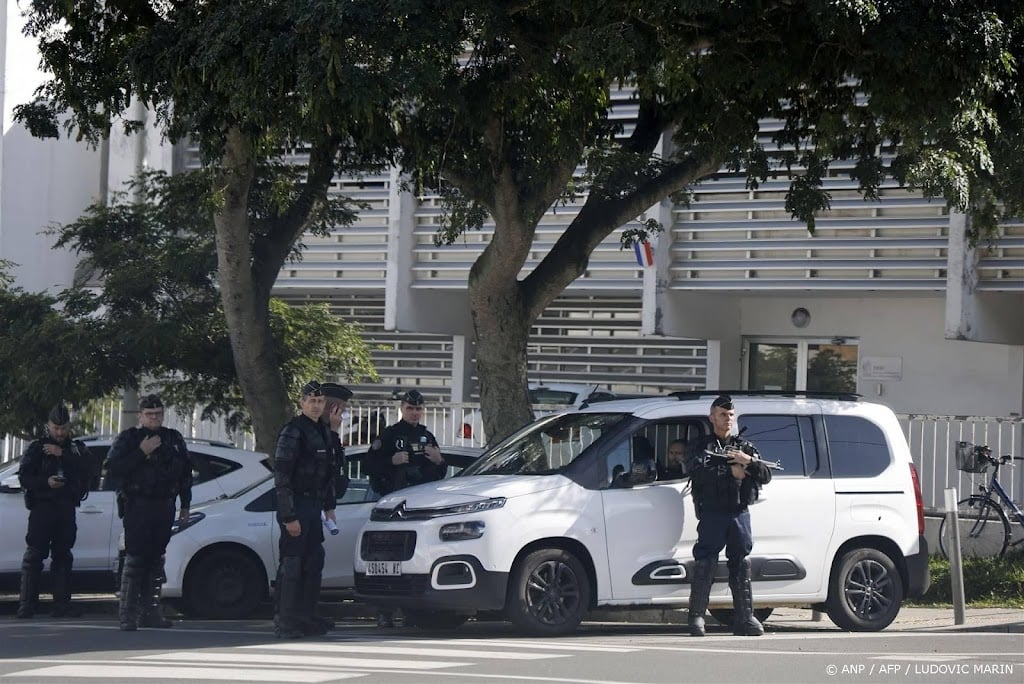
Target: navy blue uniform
x=305 y=467
x=720 y=502
x=52 y=528
x=147 y=487
x=385 y=476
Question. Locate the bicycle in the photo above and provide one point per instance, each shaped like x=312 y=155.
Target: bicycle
x=984 y=525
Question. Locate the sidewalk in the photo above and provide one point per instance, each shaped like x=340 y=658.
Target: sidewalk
x=803 y=619
x=782 y=619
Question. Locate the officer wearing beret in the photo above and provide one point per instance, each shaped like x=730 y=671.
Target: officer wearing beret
x=54 y=475
x=304 y=470
x=722 y=489
x=335 y=409
x=151 y=466
x=405 y=454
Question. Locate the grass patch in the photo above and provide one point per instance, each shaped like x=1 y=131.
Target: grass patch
x=988 y=583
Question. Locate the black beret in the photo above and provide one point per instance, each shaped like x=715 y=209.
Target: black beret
x=722 y=401
x=59 y=415
x=336 y=391
x=150 y=401
x=413 y=398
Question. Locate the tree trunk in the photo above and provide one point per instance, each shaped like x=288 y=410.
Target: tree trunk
x=502 y=331
x=246 y=299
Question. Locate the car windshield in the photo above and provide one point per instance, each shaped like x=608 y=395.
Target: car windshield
x=545 y=447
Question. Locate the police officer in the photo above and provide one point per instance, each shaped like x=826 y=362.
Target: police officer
x=722 y=490
x=54 y=476
x=151 y=467
x=335 y=409
x=404 y=454
x=304 y=471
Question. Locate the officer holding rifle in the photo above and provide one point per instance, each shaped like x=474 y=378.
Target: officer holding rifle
x=726 y=476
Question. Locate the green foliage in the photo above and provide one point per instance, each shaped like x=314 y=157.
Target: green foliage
x=987 y=581
x=157 y=313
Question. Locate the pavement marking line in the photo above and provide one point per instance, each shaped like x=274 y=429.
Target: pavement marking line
x=372 y=649
x=293 y=660
x=150 y=672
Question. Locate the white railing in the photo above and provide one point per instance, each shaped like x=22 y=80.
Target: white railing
x=932 y=440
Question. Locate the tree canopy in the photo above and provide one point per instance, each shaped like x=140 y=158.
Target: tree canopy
x=923 y=91
x=249 y=81
x=146 y=304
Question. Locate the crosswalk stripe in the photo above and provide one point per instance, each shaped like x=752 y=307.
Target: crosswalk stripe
x=377 y=649
x=108 y=672
x=278 y=658
x=545 y=645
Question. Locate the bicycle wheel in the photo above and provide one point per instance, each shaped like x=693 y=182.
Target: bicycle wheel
x=984 y=529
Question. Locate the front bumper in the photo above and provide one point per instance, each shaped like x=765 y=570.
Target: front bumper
x=455 y=583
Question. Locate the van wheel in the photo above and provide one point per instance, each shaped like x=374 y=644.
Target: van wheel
x=865 y=591
x=434 y=620
x=549 y=593
x=727 y=616
x=225 y=584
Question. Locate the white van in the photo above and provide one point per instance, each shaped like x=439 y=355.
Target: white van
x=567 y=515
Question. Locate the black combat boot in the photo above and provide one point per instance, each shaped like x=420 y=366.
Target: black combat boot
x=31 y=569
x=132 y=580
x=700 y=591
x=288 y=623
x=153 y=582
x=743 y=602
x=314 y=624
x=60 y=572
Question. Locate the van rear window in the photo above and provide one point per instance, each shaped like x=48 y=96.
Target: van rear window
x=856 y=447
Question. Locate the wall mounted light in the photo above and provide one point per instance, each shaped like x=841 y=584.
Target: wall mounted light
x=800 y=317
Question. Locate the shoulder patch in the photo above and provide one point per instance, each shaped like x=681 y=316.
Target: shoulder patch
x=376 y=444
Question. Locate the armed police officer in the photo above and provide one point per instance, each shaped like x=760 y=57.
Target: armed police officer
x=151 y=466
x=405 y=454
x=54 y=475
x=723 y=487
x=304 y=472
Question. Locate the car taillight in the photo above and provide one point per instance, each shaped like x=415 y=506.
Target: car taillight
x=917 y=498
x=467 y=431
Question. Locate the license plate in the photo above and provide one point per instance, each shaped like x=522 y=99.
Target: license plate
x=391 y=568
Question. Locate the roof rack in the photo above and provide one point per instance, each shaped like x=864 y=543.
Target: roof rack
x=809 y=394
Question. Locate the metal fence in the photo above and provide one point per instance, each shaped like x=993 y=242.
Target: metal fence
x=932 y=440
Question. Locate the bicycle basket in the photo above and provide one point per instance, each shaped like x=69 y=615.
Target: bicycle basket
x=969 y=459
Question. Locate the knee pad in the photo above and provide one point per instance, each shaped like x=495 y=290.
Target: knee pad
x=33 y=558
x=61 y=559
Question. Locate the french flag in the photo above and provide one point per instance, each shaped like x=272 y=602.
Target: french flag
x=644 y=253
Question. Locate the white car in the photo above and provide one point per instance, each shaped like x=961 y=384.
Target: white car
x=222 y=564
x=570 y=513
x=218 y=471
x=544 y=398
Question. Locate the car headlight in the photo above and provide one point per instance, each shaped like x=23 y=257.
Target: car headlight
x=178 y=525
x=475 y=507
x=460 y=531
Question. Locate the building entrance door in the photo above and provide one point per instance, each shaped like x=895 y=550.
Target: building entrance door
x=812 y=365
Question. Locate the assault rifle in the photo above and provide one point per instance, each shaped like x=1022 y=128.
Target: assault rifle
x=716 y=455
